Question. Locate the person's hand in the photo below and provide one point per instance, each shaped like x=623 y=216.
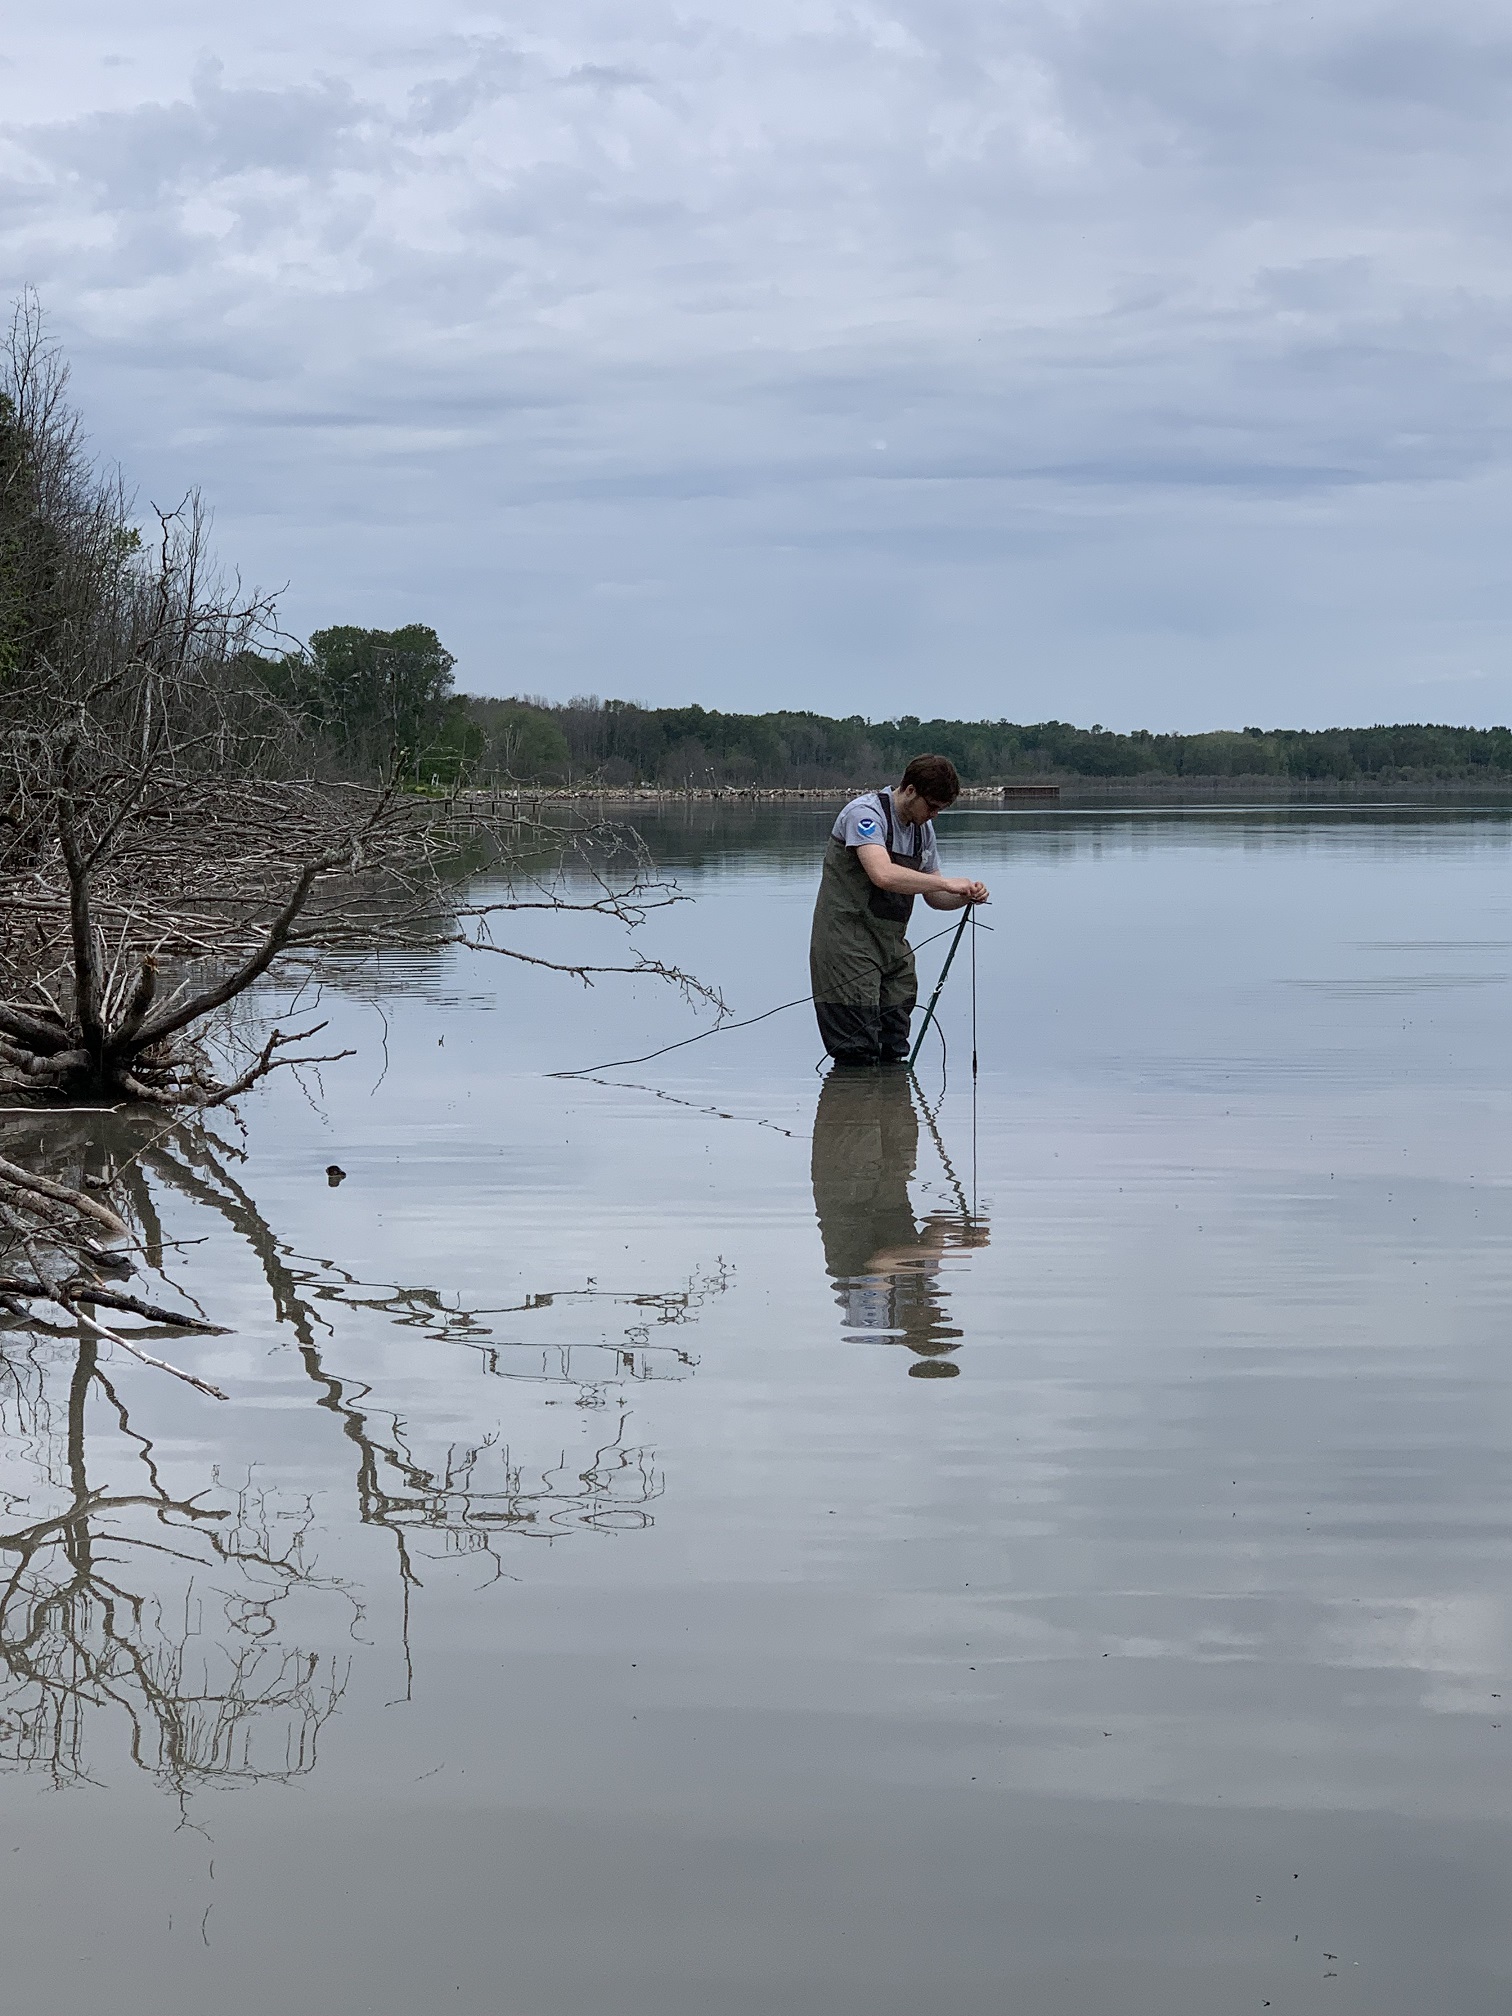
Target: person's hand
x=969 y=892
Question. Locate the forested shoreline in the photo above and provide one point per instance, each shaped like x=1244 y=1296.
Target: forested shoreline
x=692 y=747
x=387 y=700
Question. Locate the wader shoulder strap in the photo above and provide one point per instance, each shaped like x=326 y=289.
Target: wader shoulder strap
x=884 y=799
x=883 y=903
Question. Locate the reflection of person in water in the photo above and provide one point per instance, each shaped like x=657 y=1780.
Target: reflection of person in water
x=885 y=1265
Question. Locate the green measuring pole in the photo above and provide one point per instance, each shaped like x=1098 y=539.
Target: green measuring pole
x=913 y=1055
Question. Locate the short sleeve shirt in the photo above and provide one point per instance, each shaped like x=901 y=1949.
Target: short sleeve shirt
x=862 y=824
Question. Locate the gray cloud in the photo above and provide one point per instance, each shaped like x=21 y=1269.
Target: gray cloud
x=1131 y=359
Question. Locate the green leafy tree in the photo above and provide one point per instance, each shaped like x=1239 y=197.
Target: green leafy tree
x=520 y=741
x=378 y=697
x=454 y=754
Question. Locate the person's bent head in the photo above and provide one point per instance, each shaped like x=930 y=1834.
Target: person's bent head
x=929 y=784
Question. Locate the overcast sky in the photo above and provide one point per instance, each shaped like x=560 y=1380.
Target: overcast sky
x=1143 y=361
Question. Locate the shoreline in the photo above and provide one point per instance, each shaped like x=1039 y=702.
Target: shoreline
x=1041 y=794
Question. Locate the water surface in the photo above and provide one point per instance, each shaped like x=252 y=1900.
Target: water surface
x=714 y=1539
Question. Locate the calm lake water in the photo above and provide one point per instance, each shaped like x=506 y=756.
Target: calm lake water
x=717 y=1541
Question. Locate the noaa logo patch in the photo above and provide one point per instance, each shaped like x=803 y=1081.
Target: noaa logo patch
x=867 y=825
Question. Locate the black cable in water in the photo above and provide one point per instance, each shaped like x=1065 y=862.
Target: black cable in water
x=931 y=1121
x=720 y=1028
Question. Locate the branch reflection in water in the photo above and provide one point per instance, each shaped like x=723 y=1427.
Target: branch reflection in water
x=885 y=1264
x=162 y=1614
x=180 y=1619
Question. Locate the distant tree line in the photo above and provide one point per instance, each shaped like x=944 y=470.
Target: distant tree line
x=385 y=701
x=623 y=744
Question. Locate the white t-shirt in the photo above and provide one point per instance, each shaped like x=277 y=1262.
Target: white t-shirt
x=861 y=824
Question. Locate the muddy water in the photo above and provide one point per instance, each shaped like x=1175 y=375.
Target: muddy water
x=716 y=1540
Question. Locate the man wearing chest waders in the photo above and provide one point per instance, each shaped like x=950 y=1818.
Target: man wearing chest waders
x=881 y=855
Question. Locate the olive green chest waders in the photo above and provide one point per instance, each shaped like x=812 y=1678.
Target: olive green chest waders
x=860 y=963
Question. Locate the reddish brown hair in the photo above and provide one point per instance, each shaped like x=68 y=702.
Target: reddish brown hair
x=934 y=778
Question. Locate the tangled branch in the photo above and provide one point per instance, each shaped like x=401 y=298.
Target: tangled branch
x=165 y=839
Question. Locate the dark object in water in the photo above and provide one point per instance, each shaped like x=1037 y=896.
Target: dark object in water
x=335 y=1174
x=913 y=1055
x=934 y=1368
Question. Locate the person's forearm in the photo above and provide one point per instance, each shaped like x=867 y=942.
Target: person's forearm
x=939 y=891
x=907 y=882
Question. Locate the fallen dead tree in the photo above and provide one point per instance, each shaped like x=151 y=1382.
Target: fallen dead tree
x=157 y=899
x=168 y=846
x=164 y=845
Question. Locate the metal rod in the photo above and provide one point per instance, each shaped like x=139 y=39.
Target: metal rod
x=913 y=1055
x=973 y=1069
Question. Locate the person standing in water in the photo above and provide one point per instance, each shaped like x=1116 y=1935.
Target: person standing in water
x=881 y=855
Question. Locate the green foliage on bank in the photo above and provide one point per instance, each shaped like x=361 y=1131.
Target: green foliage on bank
x=620 y=743
x=383 y=702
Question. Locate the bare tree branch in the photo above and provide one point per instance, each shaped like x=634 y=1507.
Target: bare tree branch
x=158 y=1364
x=251 y=969
x=167 y=838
